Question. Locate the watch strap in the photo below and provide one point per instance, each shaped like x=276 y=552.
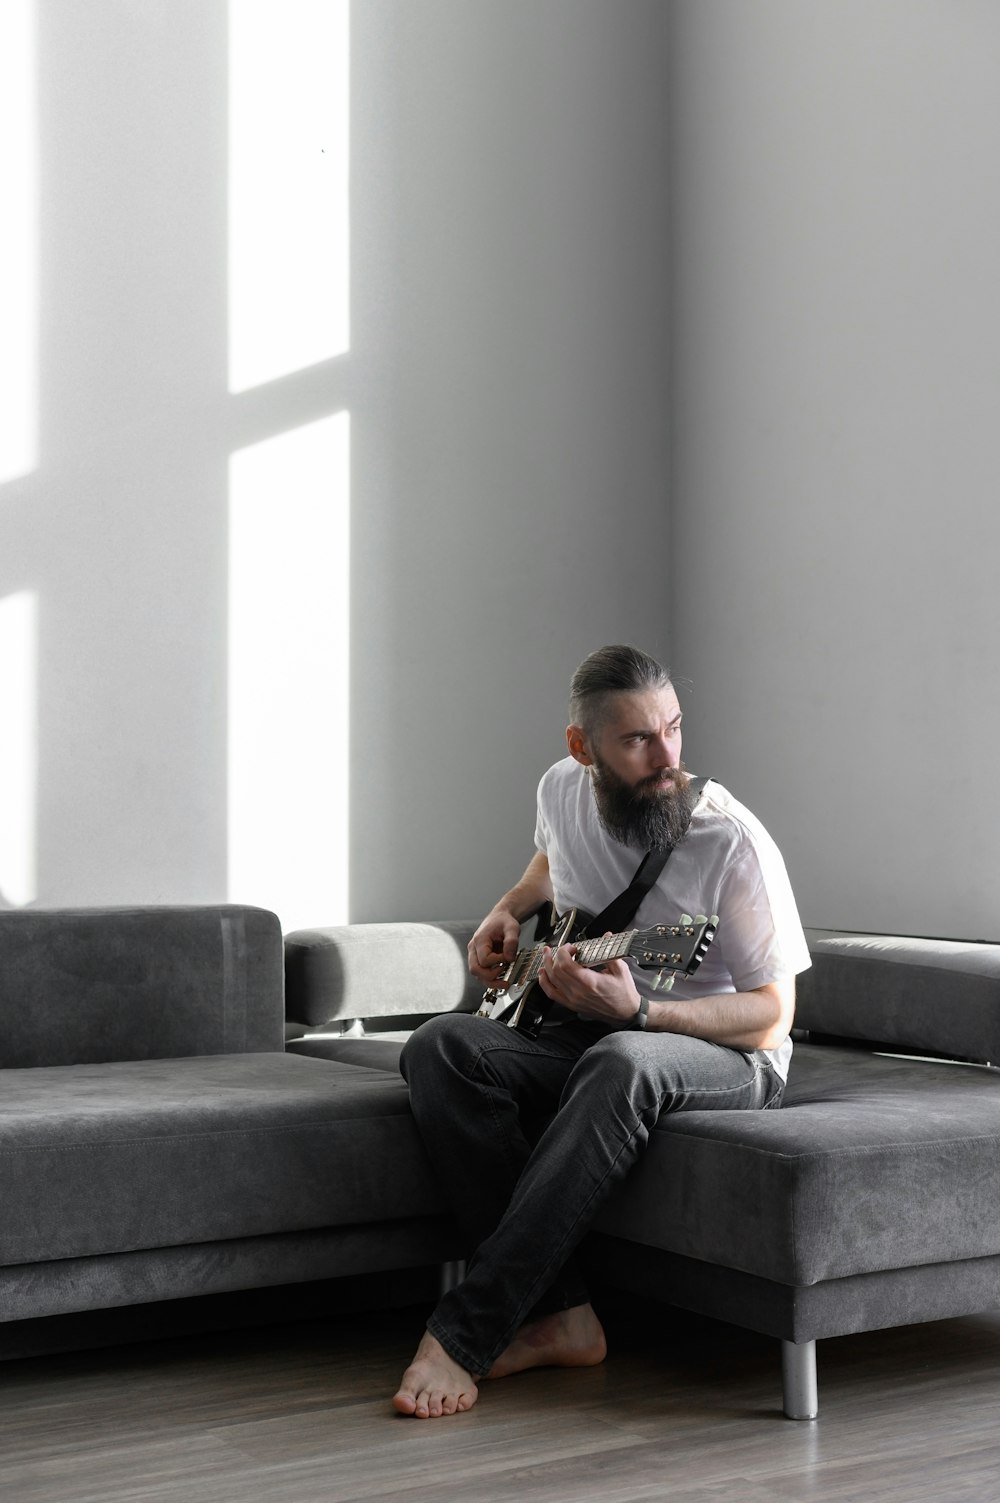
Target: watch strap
x=642 y=1016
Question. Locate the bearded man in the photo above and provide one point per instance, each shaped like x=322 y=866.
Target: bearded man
x=530 y=1136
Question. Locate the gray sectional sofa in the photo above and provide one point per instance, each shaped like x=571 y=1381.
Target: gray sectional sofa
x=157 y=1140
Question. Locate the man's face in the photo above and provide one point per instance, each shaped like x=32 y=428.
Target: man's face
x=641 y=793
x=640 y=740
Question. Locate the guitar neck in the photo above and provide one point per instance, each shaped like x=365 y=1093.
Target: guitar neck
x=599 y=951
x=674 y=947
x=588 y=952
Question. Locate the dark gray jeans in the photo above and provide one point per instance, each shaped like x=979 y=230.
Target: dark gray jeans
x=530 y=1136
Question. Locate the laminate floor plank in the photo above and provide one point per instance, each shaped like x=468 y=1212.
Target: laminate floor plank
x=683 y=1409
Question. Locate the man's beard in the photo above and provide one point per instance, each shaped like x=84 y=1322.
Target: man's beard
x=648 y=815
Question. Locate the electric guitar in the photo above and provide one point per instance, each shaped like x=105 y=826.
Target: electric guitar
x=669 y=949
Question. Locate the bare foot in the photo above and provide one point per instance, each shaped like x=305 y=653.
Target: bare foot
x=433 y=1385
x=567 y=1338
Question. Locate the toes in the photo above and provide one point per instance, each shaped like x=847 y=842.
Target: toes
x=418 y=1400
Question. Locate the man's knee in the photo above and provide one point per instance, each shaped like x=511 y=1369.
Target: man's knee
x=625 y=1052
x=623 y=1063
x=679 y=1072
x=448 y=1038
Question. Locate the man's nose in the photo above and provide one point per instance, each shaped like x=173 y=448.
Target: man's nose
x=663 y=752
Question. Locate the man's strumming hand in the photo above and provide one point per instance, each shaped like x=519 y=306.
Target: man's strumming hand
x=494 y=945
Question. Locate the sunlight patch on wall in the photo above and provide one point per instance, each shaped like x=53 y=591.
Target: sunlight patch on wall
x=18 y=746
x=288 y=674
x=288 y=186
x=18 y=242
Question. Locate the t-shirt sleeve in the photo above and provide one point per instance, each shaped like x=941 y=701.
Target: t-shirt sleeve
x=543 y=827
x=759 y=925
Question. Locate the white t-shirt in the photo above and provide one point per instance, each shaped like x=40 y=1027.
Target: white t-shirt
x=726 y=864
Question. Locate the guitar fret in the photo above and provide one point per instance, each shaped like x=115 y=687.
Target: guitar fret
x=599 y=951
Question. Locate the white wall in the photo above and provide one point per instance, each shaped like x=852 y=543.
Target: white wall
x=836 y=443
x=507 y=389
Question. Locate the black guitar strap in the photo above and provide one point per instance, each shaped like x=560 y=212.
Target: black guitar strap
x=616 y=917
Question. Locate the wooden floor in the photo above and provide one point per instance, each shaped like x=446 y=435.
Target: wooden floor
x=682 y=1410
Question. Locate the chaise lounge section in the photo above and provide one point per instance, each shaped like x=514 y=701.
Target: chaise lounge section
x=869 y=1200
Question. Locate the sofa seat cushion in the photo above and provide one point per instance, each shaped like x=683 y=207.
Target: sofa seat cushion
x=375 y=1051
x=873 y=1162
x=116 y=1157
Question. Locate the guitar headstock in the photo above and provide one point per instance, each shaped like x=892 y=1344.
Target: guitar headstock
x=674 y=949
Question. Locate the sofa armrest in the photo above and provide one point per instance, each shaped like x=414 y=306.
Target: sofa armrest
x=369 y=971
x=92 y=985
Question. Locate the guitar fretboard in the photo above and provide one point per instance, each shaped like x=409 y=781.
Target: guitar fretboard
x=600 y=951
x=590 y=952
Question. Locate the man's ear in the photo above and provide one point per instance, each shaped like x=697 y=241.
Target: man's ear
x=579 y=746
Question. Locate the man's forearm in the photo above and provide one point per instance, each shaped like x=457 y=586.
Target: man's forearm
x=534 y=889
x=741 y=1020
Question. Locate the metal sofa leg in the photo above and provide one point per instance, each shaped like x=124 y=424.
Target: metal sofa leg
x=451 y=1274
x=798 y=1379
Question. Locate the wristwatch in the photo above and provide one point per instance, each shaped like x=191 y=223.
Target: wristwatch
x=642 y=1016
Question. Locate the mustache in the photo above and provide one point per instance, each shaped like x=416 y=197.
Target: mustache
x=656 y=781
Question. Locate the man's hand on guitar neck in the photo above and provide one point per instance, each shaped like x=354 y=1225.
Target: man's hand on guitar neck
x=605 y=996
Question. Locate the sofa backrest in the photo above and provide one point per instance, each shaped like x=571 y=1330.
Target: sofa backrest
x=88 y=985
x=937 y=996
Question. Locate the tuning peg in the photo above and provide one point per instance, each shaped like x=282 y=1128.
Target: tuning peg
x=663 y=981
x=686 y=918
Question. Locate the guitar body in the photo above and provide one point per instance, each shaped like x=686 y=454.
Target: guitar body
x=670 y=949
